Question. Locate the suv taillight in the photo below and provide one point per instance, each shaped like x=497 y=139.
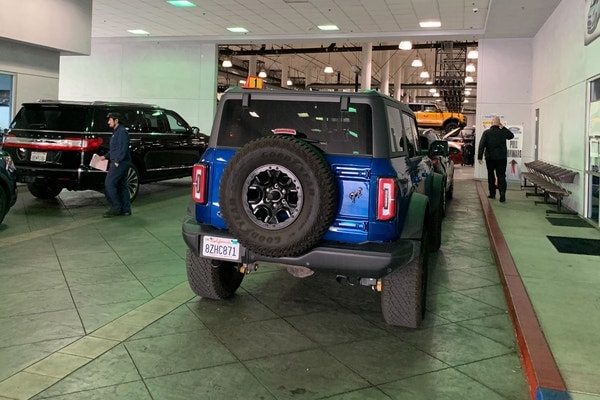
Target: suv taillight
x=67 y=144
x=199 y=183
x=386 y=199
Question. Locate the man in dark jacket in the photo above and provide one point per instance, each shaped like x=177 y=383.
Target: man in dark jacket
x=115 y=184
x=493 y=143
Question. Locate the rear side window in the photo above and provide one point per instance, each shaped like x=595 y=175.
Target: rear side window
x=51 y=117
x=128 y=119
x=411 y=134
x=323 y=124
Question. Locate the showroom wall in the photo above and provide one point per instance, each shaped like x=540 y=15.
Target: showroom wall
x=35 y=71
x=563 y=65
x=177 y=75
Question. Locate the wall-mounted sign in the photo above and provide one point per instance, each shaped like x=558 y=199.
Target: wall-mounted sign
x=592 y=18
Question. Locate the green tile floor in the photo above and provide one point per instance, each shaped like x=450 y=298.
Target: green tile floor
x=94 y=308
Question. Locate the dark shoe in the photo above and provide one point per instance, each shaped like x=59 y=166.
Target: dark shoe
x=502 y=198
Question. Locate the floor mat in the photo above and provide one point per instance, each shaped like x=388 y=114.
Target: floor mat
x=590 y=247
x=577 y=222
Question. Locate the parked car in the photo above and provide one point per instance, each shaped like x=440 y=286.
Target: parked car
x=8 y=184
x=316 y=181
x=430 y=115
x=52 y=144
x=440 y=153
x=462 y=139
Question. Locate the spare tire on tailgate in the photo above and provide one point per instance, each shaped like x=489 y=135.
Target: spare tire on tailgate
x=278 y=196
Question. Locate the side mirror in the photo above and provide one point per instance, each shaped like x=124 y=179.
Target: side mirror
x=439 y=148
x=195 y=130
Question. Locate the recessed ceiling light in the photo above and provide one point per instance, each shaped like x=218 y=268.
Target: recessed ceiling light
x=237 y=29
x=430 y=24
x=328 y=27
x=181 y=3
x=138 y=32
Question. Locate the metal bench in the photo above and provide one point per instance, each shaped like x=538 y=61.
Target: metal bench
x=550 y=179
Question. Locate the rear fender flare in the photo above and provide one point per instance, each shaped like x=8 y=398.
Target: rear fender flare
x=416 y=217
x=435 y=191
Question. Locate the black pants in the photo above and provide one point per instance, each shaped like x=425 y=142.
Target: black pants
x=496 y=169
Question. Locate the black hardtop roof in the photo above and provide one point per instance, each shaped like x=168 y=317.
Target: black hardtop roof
x=91 y=103
x=237 y=92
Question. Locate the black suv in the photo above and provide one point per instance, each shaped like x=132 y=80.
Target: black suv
x=52 y=143
x=8 y=184
x=316 y=181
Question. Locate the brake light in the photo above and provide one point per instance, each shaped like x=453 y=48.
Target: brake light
x=199 y=183
x=73 y=143
x=386 y=199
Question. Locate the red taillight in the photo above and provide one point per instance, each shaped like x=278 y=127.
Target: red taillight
x=386 y=199
x=72 y=143
x=199 y=183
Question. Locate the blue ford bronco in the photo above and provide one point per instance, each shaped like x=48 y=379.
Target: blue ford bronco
x=316 y=181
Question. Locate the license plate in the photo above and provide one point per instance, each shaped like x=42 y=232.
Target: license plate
x=39 y=156
x=221 y=248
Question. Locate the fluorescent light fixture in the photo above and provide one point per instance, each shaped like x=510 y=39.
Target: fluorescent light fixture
x=473 y=54
x=417 y=62
x=328 y=69
x=470 y=67
x=262 y=74
x=405 y=45
x=430 y=24
x=138 y=32
x=468 y=79
x=424 y=74
x=237 y=29
x=289 y=82
x=429 y=83
x=227 y=63
x=328 y=27
x=181 y=3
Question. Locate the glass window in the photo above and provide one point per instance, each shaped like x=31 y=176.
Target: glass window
x=323 y=124
x=47 y=117
x=128 y=119
x=176 y=123
x=153 y=121
x=397 y=145
x=411 y=134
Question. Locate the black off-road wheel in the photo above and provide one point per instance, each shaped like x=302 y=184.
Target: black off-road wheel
x=133 y=182
x=44 y=190
x=3 y=203
x=404 y=291
x=435 y=224
x=451 y=125
x=278 y=196
x=212 y=279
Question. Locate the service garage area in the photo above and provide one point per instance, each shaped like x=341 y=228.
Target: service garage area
x=496 y=299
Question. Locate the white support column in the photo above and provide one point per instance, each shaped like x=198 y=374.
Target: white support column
x=385 y=72
x=398 y=75
x=367 y=66
x=252 y=66
x=285 y=69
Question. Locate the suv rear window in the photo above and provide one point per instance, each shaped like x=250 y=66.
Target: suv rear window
x=47 y=117
x=321 y=123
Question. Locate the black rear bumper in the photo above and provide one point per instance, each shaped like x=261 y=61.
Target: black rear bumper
x=365 y=260
x=71 y=178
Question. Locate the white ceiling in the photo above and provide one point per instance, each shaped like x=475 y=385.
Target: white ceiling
x=293 y=24
x=292 y=20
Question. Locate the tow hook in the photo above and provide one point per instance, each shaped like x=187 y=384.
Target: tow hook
x=247 y=268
